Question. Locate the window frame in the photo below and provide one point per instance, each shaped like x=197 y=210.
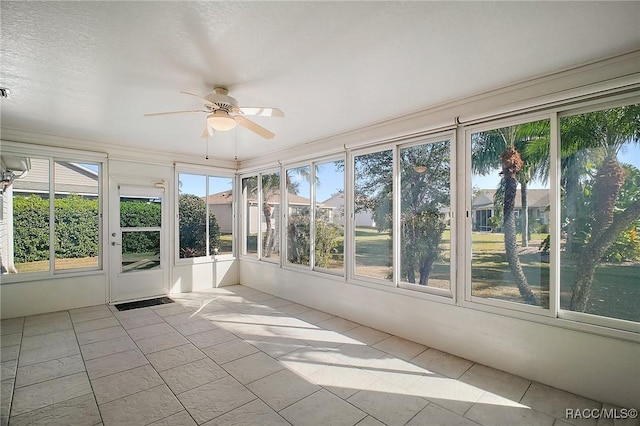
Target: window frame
x=205 y=172
x=56 y=155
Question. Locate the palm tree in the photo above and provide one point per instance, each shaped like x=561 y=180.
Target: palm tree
x=505 y=148
x=604 y=133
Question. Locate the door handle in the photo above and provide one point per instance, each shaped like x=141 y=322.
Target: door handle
x=113 y=243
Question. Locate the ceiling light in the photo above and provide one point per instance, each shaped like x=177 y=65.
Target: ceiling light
x=221 y=121
x=420 y=169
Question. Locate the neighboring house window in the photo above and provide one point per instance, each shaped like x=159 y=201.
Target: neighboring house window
x=205 y=215
x=38 y=236
x=507 y=164
x=373 y=197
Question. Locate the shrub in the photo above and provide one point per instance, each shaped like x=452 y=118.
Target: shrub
x=192 y=214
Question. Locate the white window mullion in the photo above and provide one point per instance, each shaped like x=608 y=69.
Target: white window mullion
x=395 y=223
x=554 y=225
x=52 y=215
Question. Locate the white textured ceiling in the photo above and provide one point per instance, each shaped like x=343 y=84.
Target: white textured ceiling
x=90 y=70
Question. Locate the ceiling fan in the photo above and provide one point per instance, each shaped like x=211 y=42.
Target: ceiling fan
x=223 y=113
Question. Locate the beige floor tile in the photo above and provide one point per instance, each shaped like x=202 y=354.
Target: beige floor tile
x=369 y=421
x=141 y=408
x=313 y=316
x=9 y=353
x=434 y=415
x=147 y=331
x=392 y=406
x=11 y=326
x=96 y=324
x=252 y=367
x=79 y=411
x=442 y=363
x=179 y=419
x=48 y=339
x=493 y=410
x=108 y=347
x=115 y=363
x=281 y=389
x=161 y=342
x=194 y=326
x=554 y=402
x=337 y=324
x=402 y=348
x=254 y=413
x=446 y=392
x=293 y=309
x=11 y=339
x=215 y=399
x=229 y=350
x=496 y=382
x=211 y=338
x=276 y=347
x=40 y=395
x=118 y=385
x=366 y=335
x=100 y=335
x=46 y=318
x=47 y=327
x=173 y=357
x=47 y=353
x=192 y=375
x=90 y=313
x=149 y=318
x=6 y=395
x=41 y=372
x=343 y=381
x=322 y=408
x=170 y=309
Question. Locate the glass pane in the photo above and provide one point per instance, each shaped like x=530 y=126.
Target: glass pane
x=299 y=215
x=140 y=250
x=77 y=215
x=251 y=215
x=192 y=215
x=270 y=228
x=329 y=192
x=425 y=234
x=30 y=194
x=220 y=215
x=140 y=212
x=600 y=207
x=373 y=214
x=510 y=213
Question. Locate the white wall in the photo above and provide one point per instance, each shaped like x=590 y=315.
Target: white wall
x=602 y=368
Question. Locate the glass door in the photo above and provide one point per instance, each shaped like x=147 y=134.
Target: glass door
x=138 y=263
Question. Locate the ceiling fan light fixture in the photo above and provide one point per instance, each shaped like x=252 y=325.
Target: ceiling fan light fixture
x=420 y=169
x=221 y=121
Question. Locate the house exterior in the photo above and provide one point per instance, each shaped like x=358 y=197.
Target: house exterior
x=361 y=218
x=483 y=209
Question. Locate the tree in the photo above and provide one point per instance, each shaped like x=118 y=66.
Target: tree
x=603 y=134
x=506 y=149
x=192 y=216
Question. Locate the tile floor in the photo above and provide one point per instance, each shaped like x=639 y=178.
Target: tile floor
x=236 y=356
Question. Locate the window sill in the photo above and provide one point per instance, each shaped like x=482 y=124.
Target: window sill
x=43 y=276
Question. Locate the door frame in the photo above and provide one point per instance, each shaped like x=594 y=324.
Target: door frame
x=116 y=277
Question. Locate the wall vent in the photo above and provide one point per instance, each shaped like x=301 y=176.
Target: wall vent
x=5 y=93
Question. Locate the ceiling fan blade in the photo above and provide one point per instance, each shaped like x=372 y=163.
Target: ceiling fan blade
x=175 y=112
x=248 y=124
x=261 y=111
x=197 y=96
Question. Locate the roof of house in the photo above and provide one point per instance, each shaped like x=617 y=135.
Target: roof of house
x=535 y=198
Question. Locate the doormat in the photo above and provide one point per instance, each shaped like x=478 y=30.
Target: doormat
x=143 y=303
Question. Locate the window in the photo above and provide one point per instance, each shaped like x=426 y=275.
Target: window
x=425 y=231
x=600 y=212
x=251 y=215
x=205 y=215
x=39 y=237
x=141 y=226
x=299 y=215
x=329 y=216
x=271 y=212
x=373 y=214
x=509 y=177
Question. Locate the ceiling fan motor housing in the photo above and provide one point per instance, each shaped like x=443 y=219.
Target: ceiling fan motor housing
x=221 y=99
